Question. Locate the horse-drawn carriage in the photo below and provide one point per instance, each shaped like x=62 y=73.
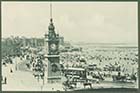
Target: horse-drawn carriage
x=71 y=85
x=38 y=73
x=124 y=77
x=96 y=75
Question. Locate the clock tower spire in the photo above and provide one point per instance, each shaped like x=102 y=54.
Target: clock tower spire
x=53 y=60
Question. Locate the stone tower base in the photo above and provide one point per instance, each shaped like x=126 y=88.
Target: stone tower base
x=54 y=80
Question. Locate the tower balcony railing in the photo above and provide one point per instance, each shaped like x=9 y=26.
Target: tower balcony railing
x=52 y=40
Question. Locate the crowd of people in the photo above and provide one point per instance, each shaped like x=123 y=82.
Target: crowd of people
x=99 y=63
x=9 y=66
x=112 y=61
x=29 y=60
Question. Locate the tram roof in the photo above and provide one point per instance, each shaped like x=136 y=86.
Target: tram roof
x=80 y=69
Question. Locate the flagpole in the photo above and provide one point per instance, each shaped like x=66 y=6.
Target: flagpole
x=50 y=10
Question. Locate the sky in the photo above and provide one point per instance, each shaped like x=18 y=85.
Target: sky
x=93 y=22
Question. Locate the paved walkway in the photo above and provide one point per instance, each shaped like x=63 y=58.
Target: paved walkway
x=23 y=80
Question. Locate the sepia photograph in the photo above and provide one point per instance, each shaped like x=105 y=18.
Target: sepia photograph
x=69 y=46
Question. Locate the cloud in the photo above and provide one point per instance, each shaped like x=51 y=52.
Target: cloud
x=88 y=22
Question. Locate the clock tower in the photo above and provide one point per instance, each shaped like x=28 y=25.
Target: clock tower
x=53 y=57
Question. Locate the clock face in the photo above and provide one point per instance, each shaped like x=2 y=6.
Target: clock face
x=53 y=46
